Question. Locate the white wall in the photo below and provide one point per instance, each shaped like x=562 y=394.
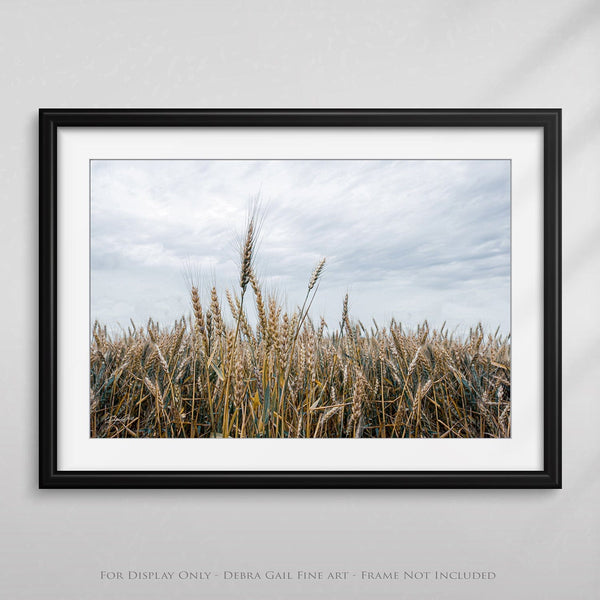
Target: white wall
x=426 y=53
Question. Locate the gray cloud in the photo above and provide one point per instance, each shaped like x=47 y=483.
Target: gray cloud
x=410 y=239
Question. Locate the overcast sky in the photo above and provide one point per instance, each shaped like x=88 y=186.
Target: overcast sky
x=414 y=240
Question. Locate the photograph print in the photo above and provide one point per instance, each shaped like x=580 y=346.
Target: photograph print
x=300 y=299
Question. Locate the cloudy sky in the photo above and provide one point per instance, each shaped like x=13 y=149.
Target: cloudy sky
x=415 y=240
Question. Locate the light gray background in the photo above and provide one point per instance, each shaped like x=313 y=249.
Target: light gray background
x=287 y=54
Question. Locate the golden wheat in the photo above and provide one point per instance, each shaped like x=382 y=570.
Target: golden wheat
x=283 y=378
x=292 y=380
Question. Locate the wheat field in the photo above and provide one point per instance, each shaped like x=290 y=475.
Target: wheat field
x=214 y=374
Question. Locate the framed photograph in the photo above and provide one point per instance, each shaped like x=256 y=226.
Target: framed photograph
x=300 y=298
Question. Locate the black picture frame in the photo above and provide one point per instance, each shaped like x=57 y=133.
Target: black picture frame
x=50 y=120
